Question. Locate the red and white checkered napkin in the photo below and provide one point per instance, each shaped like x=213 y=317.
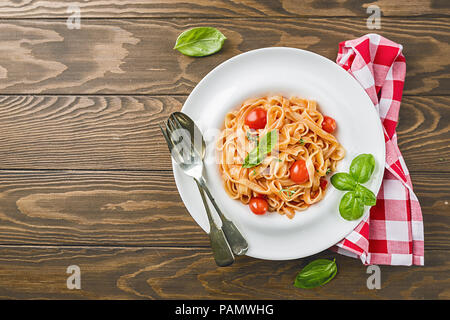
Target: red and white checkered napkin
x=393 y=232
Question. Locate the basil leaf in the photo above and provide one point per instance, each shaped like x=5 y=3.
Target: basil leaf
x=199 y=42
x=351 y=206
x=366 y=196
x=362 y=167
x=343 y=181
x=315 y=274
x=265 y=146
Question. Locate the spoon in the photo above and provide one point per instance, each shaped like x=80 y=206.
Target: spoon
x=193 y=167
x=235 y=239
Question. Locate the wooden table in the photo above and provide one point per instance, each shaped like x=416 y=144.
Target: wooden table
x=85 y=176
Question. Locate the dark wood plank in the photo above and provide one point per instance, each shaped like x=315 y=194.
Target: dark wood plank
x=162 y=273
x=219 y=8
x=93 y=208
x=424 y=133
x=136 y=56
x=65 y=132
x=140 y=209
x=93 y=132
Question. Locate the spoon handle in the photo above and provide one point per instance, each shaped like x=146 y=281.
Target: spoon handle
x=237 y=242
x=219 y=245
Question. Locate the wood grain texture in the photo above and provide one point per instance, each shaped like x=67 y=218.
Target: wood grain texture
x=121 y=132
x=166 y=273
x=424 y=129
x=81 y=132
x=85 y=175
x=219 y=8
x=141 y=209
x=135 y=56
x=94 y=208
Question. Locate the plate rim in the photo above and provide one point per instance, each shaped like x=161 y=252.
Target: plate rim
x=216 y=69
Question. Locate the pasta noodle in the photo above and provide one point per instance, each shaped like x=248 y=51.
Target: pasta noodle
x=300 y=136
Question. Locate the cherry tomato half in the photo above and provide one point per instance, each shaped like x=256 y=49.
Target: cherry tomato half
x=328 y=124
x=258 y=205
x=323 y=183
x=256 y=118
x=298 y=172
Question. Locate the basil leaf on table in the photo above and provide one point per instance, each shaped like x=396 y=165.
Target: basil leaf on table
x=351 y=206
x=315 y=274
x=200 y=41
x=367 y=196
x=265 y=146
x=362 y=167
x=343 y=181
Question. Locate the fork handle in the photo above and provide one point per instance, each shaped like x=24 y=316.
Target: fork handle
x=222 y=252
x=237 y=242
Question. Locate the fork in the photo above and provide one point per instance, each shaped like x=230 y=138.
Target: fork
x=235 y=239
x=192 y=164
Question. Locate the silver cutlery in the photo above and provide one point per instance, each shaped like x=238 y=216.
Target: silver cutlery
x=191 y=163
x=235 y=239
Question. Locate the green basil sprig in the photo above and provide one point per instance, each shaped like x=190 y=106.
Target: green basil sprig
x=351 y=207
x=316 y=273
x=362 y=167
x=352 y=203
x=265 y=146
x=367 y=197
x=343 y=181
x=200 y=41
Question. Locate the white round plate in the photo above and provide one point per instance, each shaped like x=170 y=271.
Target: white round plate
x=290 y=72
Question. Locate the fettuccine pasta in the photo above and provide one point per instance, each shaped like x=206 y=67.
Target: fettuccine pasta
x=303 y=138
